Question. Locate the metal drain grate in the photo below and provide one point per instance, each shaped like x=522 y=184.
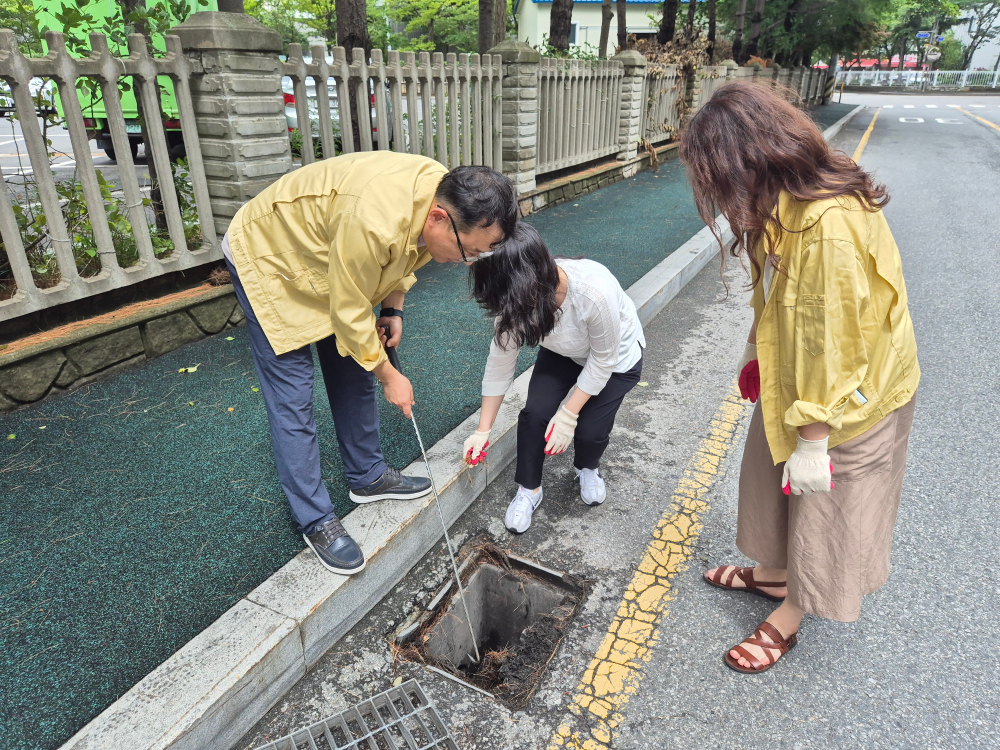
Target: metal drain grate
x=401 y=718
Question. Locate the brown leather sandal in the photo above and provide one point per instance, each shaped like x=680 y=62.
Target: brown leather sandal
x=784 y=645
x=745 y=575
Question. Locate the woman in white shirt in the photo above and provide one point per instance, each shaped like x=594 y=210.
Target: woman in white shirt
x=589 y=336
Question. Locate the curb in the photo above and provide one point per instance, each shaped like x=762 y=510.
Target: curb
x=832 y=131
x=218 y=685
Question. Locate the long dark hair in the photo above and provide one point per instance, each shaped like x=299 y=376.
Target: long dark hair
x=517 y=285
x=744 y=147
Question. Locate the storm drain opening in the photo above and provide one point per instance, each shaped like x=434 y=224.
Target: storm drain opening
x=401 y=718
x=519 y=611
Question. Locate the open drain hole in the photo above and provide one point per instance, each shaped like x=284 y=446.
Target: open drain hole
x=519 y=611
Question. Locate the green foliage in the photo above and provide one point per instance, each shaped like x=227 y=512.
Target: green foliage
x=22 y=18
x=952 y=53
x=280 y=15
x=585 y=51
x=428 y=25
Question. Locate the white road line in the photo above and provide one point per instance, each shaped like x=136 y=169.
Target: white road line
x=908 y=106
x=978 y=106
x=931 y=106
x=948 y=121
x=911 y=119
x=954 y=106
x=886 y=106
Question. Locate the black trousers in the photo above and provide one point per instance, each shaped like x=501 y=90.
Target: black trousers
x=551 y=380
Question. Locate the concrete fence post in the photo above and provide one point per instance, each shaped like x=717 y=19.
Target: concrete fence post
x=631 y=107
x=239 y=107
x=519 y=112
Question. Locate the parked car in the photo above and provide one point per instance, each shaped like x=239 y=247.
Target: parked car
x=292 y=115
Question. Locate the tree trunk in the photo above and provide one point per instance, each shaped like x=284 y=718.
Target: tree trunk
x=607 y=13
x=668 y=24
x=741 y=12
x=561 y=24
x=692 y=7
x=499 y=22
x=622 y=26
x=485 y=25
x=711 y=32
x=755 y=22
x=352 y=26
x=492 y=24
x=352 y=31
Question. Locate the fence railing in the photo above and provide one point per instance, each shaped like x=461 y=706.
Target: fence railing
x=92 y=235
x=578 y=104
x=663 y=102
x=445 y=107
x=70 y=235
x=712 y=77
x=920 y=78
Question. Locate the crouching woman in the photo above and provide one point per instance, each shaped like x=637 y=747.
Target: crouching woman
x=590 y=341
x=832 y=355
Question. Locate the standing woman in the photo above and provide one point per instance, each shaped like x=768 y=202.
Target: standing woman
x=831 y=354
x=589 y=336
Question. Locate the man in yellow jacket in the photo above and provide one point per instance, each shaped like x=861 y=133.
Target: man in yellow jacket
x=310 y=257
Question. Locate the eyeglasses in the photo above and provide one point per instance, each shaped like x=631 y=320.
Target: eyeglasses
x=465 y=258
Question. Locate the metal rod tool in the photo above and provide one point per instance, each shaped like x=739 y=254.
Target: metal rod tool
x=394 y=361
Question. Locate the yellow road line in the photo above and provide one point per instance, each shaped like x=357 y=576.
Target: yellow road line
x=864 y=139
x=618 y=667
x=985 y=122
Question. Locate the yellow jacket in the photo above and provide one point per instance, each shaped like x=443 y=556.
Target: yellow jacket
x=835 y=322
x=319 y=248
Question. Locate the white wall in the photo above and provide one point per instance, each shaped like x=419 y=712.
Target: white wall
x=985 y=57
x=533 y=22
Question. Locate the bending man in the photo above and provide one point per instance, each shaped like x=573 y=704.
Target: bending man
x=310 y=257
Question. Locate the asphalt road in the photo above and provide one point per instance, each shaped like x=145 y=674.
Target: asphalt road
x=918 y=670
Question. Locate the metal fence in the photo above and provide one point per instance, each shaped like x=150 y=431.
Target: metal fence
x=663 y=102
x=920 y=78
x=445 y=107
x=578 y=107
x=109 y=241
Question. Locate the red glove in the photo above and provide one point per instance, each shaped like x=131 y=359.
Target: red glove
x=749 y=369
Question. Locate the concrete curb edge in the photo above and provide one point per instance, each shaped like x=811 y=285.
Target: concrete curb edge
x=834 y=129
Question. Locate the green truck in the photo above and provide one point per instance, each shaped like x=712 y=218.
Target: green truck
x=94 y=114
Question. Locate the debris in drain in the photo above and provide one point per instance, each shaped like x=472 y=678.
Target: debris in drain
x=519 y=611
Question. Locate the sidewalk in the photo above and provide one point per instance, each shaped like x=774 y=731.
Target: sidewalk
x=146 y=505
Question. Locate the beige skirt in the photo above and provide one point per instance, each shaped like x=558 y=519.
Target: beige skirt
x=835 y=545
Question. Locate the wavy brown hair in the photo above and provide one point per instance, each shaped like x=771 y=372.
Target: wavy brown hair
x=744 y=147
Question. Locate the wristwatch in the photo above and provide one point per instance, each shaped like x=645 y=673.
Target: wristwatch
x=388 y=312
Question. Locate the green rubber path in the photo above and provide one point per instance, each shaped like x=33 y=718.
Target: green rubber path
x=140 y=508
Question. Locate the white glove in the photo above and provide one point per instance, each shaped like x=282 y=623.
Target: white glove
x=560 y=431
x=749 y=355
x=474 y=449
x=808 y=469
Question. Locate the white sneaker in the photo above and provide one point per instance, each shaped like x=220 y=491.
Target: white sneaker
x=592 y=490
x=518 y=517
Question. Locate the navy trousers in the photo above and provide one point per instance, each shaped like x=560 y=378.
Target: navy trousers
x=286 y=380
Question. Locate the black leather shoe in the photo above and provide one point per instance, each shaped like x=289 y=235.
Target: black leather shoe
x=335 y=548
x=392 y=486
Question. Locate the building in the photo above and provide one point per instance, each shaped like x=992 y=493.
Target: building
x=987 y=57
x=533 y=21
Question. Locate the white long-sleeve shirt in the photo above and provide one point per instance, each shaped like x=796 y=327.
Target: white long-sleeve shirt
x=596 y=326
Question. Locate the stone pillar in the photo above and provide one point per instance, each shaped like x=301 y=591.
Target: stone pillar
x=238 y=105
x=632 y=107
x=520 y=112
